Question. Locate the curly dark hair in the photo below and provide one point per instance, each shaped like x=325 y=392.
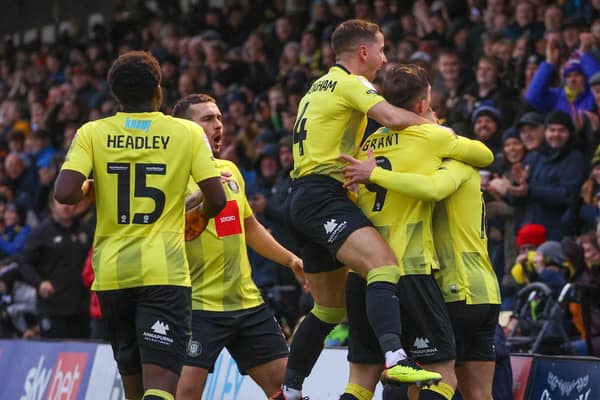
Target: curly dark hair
x=134 y=78
x=181 y=108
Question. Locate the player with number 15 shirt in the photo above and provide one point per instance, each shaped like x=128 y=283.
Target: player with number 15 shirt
x=141 y=160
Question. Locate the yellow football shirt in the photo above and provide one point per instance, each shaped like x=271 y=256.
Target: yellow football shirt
x=403 y=221
x=332 y=116
x=460 y=240
x=141 y=164
x=219 y=265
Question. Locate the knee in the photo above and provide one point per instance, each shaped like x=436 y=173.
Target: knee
x=187 y=389
x=330 y=315
x=387 y=273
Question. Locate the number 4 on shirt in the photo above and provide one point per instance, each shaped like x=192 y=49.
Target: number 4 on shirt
x=300 y=130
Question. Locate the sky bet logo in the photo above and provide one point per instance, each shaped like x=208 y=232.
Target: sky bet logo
x=60 y=382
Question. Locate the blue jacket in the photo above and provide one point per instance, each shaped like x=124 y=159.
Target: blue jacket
x=13 y=240
x=555 y=178
x=545 y=98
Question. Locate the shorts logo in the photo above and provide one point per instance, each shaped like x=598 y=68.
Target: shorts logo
x=423 y=348
x=160 y=327
x=159 y=334
x=194 y=348
x=421 y=343
x=333 y=229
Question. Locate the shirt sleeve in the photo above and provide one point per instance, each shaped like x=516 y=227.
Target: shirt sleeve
x=360 y=93
x=203 y=162
x=448 y=145
x=445 y=181
x=80 y=155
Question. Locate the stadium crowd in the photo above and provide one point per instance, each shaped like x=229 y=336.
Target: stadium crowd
x=521 y=76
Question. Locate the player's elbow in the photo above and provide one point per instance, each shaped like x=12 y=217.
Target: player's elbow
x=67 y=192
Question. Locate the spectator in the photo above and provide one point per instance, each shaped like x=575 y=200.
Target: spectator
x=486 y=126
x=14 y=233
x=583 y=212
x=575 y=95
x=547 y=264
x=531 y=130
x=586 y=312
x=529 y=237
x=551 y=176
x=525 y=23
x=52 y=262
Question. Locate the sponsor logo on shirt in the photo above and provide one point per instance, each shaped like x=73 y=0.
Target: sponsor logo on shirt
x=227 y=222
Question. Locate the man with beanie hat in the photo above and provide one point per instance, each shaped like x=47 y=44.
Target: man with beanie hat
x=574 y=95
x=551 y=178
x=486 y=126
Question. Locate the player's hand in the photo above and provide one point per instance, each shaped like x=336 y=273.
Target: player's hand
x=46 y=289
x=88 y=190
x=358 y=171
x=225 y=175
x=195 y=223
x=297 y=267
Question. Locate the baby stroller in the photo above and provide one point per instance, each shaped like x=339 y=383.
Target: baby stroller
x=541 y=320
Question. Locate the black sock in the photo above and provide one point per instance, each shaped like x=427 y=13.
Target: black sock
x=348 y=396
x=305 y=350
x=383 y=311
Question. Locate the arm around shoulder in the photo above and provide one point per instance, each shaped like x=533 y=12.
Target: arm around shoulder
x=394 y=117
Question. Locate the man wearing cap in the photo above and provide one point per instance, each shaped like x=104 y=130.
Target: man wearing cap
x=552 y=176
x=531 y=130
x=486 y=127
x=575 y=95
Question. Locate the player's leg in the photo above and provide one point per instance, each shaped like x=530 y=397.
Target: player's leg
x=475 y=379
x=370 y=256
x=211 y=331
x=364 y=355
x=118 y=307
x=443 y=390
x=259 y=348
x=428 y=335
x=362 y=382
x=191 y=382
x=327 y=289
x=269 y=376
x=163 y=327
x=474 y=326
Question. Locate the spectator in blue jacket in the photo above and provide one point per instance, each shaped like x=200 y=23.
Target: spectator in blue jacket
x=551 y=177
x=575 y=95
x=14 y=235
